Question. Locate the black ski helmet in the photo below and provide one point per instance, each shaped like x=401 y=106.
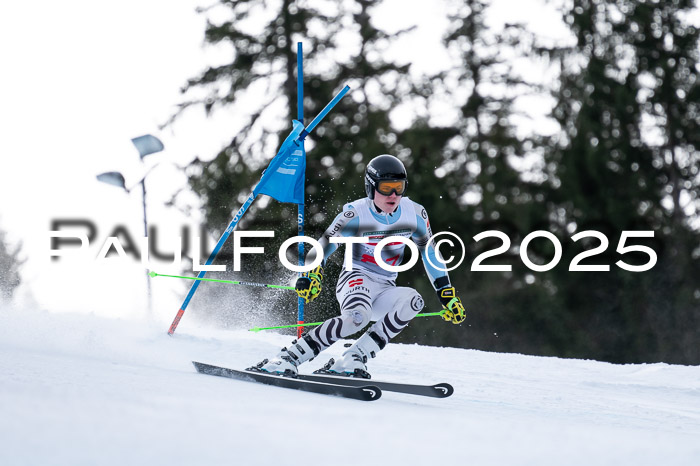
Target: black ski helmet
x=383 y=167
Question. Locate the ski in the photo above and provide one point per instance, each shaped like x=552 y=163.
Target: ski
x=364 y=392
x=440 y=390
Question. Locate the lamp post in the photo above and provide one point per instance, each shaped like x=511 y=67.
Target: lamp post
x=146 y=145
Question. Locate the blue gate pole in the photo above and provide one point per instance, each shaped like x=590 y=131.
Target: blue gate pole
x=212 y=256
x=300 y=207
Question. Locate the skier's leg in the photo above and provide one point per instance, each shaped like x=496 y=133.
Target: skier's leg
x=393 y=310
x=354 y=293
x=288 y=359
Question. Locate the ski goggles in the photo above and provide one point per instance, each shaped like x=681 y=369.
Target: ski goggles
x=386 y=187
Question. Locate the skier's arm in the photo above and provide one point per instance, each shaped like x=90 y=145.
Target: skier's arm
x=454 y=309
x=431 y=257
x=309 y=284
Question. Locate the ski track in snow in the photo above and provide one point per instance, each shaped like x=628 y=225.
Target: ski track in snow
x=84 y=390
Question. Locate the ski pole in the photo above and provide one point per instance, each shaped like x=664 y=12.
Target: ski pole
x=230 y=282
x=257 y=329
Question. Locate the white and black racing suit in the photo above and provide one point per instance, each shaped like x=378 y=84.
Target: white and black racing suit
x=367 y=292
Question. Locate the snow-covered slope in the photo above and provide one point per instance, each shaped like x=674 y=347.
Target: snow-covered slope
x=81 y=389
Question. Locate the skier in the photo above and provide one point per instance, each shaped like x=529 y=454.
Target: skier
x=368 y=292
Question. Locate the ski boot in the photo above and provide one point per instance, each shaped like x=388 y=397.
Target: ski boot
x=353 y=361
x=288 y=359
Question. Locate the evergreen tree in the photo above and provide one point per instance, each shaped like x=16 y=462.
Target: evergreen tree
x=358 y=129
x=625 y=162
x=625 y=159
x=476 y=165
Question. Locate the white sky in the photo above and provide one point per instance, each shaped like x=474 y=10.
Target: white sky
x=80 y=79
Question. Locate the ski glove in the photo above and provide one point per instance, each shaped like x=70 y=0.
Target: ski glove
x=308 y=286
x=454 y=309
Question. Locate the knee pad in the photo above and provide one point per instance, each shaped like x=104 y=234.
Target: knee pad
x=416 y=302
x=357 y=317
x=410 y=305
